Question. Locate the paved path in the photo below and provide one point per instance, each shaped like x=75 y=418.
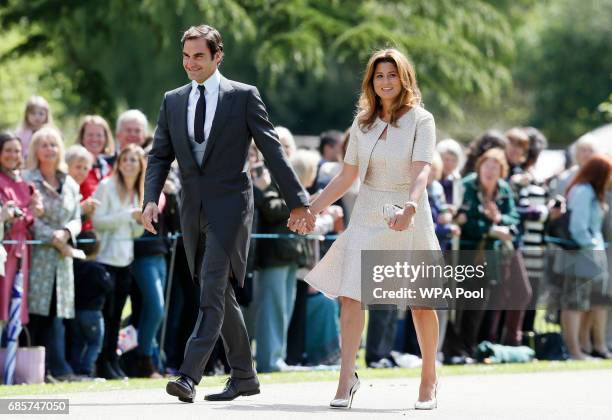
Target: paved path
x=556 y=395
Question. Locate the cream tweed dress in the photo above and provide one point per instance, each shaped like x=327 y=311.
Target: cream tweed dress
x=384 y=171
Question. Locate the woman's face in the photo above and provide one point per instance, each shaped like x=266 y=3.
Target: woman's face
x=515 y=154
x=10 y=156
x=129 y=166
x=78 y=170
x=490 y=171
x=94 y=139
x=47 y=151
x=449 y=163
x=37 y=117
x=387 y=84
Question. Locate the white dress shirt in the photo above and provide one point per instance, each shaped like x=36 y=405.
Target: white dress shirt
x=211 y=95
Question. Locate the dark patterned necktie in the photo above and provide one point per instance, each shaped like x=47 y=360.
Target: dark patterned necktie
x=200 y=115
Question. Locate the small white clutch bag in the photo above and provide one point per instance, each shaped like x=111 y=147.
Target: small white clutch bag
x=389 y=210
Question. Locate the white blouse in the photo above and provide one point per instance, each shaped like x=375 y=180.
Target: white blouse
x=115 y=225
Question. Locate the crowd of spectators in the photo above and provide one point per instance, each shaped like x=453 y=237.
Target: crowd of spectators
x=71 y=222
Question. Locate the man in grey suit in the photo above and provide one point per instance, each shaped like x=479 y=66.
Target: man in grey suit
x=207 y=127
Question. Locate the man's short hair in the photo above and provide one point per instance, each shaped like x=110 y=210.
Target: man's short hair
x=208 y=33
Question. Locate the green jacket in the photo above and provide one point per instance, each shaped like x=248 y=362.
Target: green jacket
x=477 y=226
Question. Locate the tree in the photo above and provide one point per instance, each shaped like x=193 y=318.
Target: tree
x=306 y=55
x=564 y=61
x=22 y=77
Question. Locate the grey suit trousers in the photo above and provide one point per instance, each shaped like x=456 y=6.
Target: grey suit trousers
x=219 y=313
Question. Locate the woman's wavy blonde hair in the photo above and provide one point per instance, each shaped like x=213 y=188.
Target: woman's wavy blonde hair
x=369 y=104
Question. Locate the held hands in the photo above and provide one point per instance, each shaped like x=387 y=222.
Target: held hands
x=301 y=221
x=402 y=219
x=150 y=216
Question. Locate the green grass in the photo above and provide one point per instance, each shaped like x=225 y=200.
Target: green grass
x=311 y=376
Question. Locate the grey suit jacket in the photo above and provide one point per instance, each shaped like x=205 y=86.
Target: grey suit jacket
x=221 y=183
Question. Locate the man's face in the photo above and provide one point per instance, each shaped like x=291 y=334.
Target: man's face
x=131 y=132
x=198 y=62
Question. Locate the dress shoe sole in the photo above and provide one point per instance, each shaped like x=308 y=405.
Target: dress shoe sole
x=176 y=391
x=239 y=394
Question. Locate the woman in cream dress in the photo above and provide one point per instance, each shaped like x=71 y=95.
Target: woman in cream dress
x=391 y=145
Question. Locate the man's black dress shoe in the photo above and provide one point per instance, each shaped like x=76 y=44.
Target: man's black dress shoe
x=235 y=387
x=183 y=388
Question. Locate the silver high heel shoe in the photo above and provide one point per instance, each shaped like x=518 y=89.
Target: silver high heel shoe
x=346 y=403
x=429 y=404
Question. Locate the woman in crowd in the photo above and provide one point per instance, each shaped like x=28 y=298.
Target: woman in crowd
x=51 y=294
x=96 y=136
x=20 y=204
x=390 y=149
x=118 y=221
x=517 y=150
x=586 y=271
x=530 y=195
x=37 y=113
x=441 y=211
x=581 y=151
x=489 y=140
x=453 y=156
x=488 y=220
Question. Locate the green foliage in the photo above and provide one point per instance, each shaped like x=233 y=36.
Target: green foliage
x=307 y=56
x=22 y=77
x=566 y=65
x=606 y=108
